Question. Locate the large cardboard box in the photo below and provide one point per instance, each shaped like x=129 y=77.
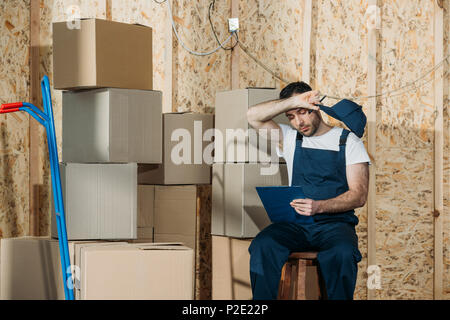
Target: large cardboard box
x=30 y=267
x=237 y=210
x=102 y=53
x=183 y=161
x=231 y=114
x=230 y=269
x=137 y=271
x=112 y=125
x=100 y=201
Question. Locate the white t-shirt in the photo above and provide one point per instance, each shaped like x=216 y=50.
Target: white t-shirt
x=355 y=152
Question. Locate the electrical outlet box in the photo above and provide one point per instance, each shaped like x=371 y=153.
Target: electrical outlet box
x=233 y=24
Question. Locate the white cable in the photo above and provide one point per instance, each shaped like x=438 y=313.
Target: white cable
x=184 y=46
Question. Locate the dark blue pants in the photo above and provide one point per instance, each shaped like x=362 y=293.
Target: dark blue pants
x=338 y=256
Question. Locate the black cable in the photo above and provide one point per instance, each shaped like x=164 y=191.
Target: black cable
x=160 y=2
x=211 y=5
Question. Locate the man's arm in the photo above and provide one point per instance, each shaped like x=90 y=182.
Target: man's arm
x=355 y=197
x=260 y=116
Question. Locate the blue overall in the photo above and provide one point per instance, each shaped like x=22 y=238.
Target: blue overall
x=322 y=175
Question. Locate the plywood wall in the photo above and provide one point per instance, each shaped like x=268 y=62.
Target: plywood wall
x=196 y=79
x=14 y=141
x=404 y=153
x=446 y=226
x=272 y=32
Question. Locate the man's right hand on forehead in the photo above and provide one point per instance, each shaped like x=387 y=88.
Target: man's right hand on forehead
x=306 y=100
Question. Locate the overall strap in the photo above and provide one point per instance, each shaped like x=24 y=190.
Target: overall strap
x=343 y=138
x=342 y=143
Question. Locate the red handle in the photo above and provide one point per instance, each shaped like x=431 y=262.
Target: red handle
x=9 y=110
x=11 y=105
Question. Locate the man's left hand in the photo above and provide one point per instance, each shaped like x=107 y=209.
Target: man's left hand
x=305 y=207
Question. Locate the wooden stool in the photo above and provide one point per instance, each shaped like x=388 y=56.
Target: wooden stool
x=300 y=279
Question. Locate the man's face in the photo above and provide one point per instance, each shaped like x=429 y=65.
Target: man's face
x=303 y=121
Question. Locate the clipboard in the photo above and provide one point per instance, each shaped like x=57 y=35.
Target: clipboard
x=276 y=200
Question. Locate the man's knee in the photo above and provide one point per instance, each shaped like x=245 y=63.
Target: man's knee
x=345 y=252
x=263 y=241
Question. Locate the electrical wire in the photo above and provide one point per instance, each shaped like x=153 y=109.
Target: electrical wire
x=402 y=89
x=211 y=6
x=262 y=65
x=409 y=84
x=181 y=41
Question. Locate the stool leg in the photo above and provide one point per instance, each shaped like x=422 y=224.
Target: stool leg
x=282 y=284
x=286 y=285
x=301 y=280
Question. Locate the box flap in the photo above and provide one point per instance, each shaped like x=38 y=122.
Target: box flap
x=162 y=246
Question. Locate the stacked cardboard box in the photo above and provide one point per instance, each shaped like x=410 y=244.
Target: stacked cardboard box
x=180 y=190
x=112 y=120
x=30 y=268
x=242 y=162
x=108 y=128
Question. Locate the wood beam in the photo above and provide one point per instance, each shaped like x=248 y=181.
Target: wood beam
x=235 y=54
x=438 y=151
x=372 y=120
x=307 y=21
x=34 y=127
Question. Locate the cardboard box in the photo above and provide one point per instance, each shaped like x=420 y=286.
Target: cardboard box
x=189 y=142
x=170 y=212
x=237 y=210
x=176 y=214
x=230 y=269
x=112 y=125
x=100 y=201
x=30 y=267
x=179 y=216
x=102 y=54
x=137 y=271
x=231 y=113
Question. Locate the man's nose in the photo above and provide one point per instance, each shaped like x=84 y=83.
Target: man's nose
x=299 y=120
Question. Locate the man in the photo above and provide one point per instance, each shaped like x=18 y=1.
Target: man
x=331 y=166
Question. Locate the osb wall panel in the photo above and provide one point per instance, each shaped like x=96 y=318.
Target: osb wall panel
x=406 y=118
x=446 y=213
x=196 y=79
x=56 y=11
x=14 y=141
x=272 y=32
x=340 y=69
x=404 y=224
x=404 y=239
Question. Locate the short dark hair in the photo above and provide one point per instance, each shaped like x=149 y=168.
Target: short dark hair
x=294 y=87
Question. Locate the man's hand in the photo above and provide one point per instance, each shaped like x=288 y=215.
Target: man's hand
x=305 y=207
x=305 y=100
x=355 y=197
